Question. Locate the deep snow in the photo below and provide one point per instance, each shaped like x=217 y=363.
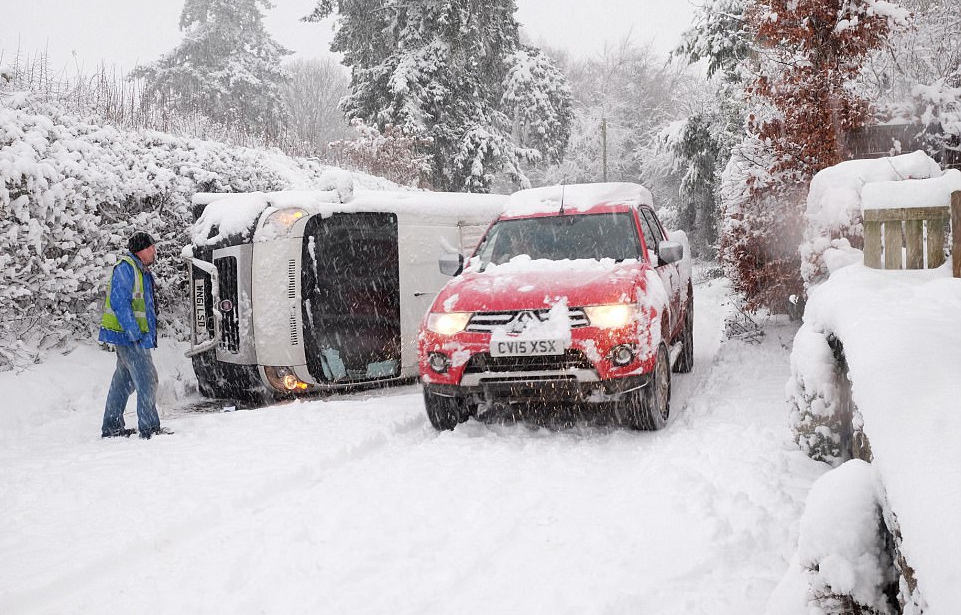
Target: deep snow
x=355 y=505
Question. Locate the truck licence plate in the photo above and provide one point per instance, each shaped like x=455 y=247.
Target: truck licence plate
x=525 y=348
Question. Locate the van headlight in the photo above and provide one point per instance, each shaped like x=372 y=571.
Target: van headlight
x=447 y=323
x=611 y=316
x=283 y=220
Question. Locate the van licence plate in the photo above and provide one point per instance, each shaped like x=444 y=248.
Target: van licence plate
x=526 y=348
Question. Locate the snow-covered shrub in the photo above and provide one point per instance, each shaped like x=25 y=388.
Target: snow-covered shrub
x=833 y=212
x=71 y=193
x=842 y=546
x=389 y=153
x=814 y=396
x=760 y=229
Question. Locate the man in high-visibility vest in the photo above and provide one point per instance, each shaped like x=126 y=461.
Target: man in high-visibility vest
x=130 y=323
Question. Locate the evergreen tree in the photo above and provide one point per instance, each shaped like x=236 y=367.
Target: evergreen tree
x=228 y=68
x=454 y=72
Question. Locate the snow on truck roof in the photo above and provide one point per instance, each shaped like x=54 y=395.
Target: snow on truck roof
x=236 y=213
x=577 y=197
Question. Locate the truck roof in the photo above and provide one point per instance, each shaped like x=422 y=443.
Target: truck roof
x=577 y=198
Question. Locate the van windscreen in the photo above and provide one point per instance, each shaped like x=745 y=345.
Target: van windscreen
x=350 y=284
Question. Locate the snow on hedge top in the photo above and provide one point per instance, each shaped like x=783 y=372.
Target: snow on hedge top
x=576 y=197
x=237 y=214
x=834 y=199
x=902 y=343
x=932 y=192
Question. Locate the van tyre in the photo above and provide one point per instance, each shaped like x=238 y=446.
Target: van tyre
x=445 y=413
x=648 y=408
x=685 y=362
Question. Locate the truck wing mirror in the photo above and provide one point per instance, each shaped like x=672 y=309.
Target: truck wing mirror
x=451 y=264
x=670 y=252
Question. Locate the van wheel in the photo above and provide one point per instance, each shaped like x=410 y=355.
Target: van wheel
x=650 y=407
x=445 y=413
x=685 y=362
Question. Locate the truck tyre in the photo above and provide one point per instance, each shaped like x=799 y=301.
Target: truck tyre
x=648 y=408
x=685 y=362
x=445 y=413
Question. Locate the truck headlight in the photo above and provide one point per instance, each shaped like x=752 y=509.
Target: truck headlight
x=447 y=323
x=284 y=219
x=611 y=316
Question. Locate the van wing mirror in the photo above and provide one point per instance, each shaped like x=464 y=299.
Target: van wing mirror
x=670 y=252
x=451 y=264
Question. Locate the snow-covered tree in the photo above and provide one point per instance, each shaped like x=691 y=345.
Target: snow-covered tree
x=311 y=96
x=455 y=72
x=628 y=94
x=227 y=67
x=916 y=77
x=801 y=102
x=720 y=35
x=812 y=51
x=390 y=154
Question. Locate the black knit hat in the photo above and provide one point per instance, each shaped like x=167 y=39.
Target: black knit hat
x=139 y=241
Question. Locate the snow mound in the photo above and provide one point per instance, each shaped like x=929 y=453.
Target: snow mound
x=931 y=192
x=833 y=210
x=840 y=556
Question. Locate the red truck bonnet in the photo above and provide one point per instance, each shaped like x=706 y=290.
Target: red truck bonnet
x=494 y=291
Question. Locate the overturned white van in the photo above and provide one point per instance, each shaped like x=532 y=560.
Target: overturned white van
x=305 y=291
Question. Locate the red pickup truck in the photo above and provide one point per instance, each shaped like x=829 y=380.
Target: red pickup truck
x=575 y=294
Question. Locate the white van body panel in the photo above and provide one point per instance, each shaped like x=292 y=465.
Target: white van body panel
x=429 y=225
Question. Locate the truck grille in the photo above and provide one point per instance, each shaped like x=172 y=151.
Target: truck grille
x=484 y=362
x=485 y=322
x=230 y=324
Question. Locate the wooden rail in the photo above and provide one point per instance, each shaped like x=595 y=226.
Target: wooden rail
x=904 y=238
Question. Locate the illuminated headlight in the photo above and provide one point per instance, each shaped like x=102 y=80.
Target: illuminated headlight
x=284 y=379
x=611 y=316
x=282 y=220
x=447 y=323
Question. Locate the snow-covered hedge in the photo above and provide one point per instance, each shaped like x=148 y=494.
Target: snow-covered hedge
x=833 y=213
x=72 y=191
x=814 y=396
x=843 y=562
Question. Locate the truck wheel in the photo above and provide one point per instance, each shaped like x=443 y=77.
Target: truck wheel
x=685 y=362
x=649 y=408
x=445 y=413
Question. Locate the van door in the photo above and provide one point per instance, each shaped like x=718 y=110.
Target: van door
x=351 y=297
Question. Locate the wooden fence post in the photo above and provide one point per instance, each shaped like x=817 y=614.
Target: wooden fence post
x=956 y=233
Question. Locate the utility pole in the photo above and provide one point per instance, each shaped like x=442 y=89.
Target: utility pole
x=604 y=146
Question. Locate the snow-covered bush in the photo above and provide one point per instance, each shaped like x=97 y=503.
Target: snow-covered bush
x=814 y=396
x=843 y=564
x=389 y=153
x=71 y=193
x=833 y=213
x=760 y=229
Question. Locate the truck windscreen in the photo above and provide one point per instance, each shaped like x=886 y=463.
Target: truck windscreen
x=579 y=236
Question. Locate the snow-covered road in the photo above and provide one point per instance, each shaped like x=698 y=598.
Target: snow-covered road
x=357 y=506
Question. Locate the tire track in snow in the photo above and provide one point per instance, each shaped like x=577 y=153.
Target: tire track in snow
x=207 y=520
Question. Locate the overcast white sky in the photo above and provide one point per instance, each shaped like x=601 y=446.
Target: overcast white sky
x=125 y=32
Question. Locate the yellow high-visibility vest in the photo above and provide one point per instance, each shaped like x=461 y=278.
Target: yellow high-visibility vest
x=138 y=303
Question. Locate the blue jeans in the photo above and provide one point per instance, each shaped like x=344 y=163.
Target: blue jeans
x=135 y=371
